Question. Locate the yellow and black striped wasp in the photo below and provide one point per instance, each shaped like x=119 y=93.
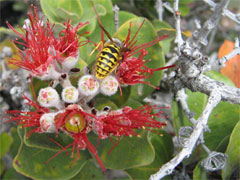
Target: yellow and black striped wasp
x=110 y=54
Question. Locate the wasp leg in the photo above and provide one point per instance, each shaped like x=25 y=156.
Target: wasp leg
x=99 y=47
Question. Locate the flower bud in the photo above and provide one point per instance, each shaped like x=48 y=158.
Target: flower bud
x=47 y=123
x=48 y=97
x=88 y=86
x=70 y=94
x=109 y=86
x=70 y=62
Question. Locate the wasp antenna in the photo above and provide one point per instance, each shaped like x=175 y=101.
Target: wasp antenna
x=100 y=24
x=104 y=30
x=94 y=8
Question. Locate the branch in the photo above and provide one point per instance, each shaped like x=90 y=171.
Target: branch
x=160 y=10
x=182 y=98
x=116 y=17
x=167 y=169
x=179 y=41
x=227 y=57
x=200 y=37
x=226 y=12
x=189 y=76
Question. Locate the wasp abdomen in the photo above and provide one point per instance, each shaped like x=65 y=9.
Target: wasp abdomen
x=107 y=61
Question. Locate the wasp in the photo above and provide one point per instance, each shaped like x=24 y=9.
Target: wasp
x=109 y=57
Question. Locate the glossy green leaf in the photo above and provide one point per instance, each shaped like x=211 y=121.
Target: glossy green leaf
x=133 y=103
x=233 y=149
x=7 y=31
x=224 y=115
x=44 y=141
x=1 y=166
x=199 y=173
x=30 y=162
x=155 y=53
x=163 y=28
x=71 y=6
x=16 y=142
x=125 y=16
x=101 y=102
x=67 y=15
x=12 y=174
x=5 y=143
x=49 y=9
x=129 y=153
x=163 y=146
x=89 y=171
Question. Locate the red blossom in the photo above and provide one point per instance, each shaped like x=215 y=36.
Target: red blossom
x=62 y=122
x=28 y=118
x=133 y=70
x=126 y=121
x=68 y=41
x=37 y=40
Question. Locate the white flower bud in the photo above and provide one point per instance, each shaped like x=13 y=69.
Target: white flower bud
x=47 y=123
x=109 y=86
x=70 y=94
x=70 y=62
x=88 y=85
x=48 y=97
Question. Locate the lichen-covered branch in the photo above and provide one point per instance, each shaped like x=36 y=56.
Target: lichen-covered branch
x=227 y=57
x=199 y=38
x=226 y=12
x=189 y=74
x=167 y=168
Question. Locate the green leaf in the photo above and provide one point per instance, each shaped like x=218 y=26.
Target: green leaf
x=1 y=166
x=12 y=174
x=74 y=7
x=16 y=142
x=132 y=103
x=49 y=9
x=125 y=16
x=164 y=28
x=89 y=171
x=30 y=162
x=7 y=31
x=155 y=53
x=163 y=146
x=129 y=153
x=220 y=77
x=66 y=15
x=5 y=143
x=233 y=149
x=199 y=173
x=100 y=103
x=42 y=140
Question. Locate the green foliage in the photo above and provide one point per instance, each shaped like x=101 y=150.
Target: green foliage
x=129 y=152
x=5 y=143
x=233 y=149
x=163 y=147
x=89 y=171
x=31 y=162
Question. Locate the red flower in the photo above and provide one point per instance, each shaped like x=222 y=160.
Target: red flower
x=77 y=124
x=126 y=121
x=37 y=40
x=133 y=70
x=28 y=118
x=68 y=41
x=42 y=49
